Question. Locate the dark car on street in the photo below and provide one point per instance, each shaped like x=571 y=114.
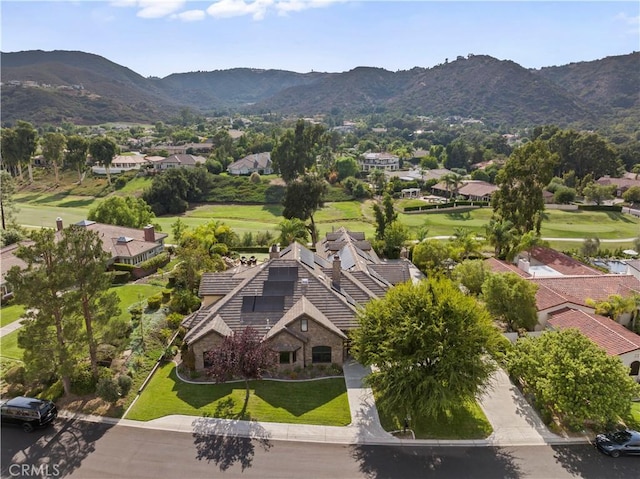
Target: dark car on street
x=29 y=413
x=618 y=443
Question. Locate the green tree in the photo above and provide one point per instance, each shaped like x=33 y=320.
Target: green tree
x=501 y=234
x=51 y=333
x=292 y=230
x=614 y=306
x=452 y=182
x=303 y=198
x=122 y=211
x=7 y=205
x=295 y=152
x=346 y=166
x=429 y=343
x=384 y=215
x=511 y=300
x=378 y=179
x=598 y=193
x=76 y=155
x=177 y=228
x=103 y=150
x=471 y=273
x=632 y=195
x=466 y=243
x=527 y=242
x=572 y=378
x=590 y=246
x=396 y=235
x=564 y=196
x=10 y=158
x=27 y=142
x=521 y=182
x=53 y=145
x=433 y=256
x=86 y=262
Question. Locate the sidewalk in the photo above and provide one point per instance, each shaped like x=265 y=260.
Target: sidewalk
x=514 y=422
x=10 y=328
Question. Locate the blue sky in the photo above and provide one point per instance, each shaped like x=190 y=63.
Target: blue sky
x=159 y=37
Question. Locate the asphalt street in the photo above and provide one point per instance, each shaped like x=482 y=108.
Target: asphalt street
x=78 y=449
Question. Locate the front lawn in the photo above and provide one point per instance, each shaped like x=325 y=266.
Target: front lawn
x=9 y=346
x=464 y=422
x=635 y=414
x=129 y=294
x=322 y=402
x=9 y=314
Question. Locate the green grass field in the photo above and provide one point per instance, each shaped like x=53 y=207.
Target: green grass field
x=9 y=314
x=467 y=421
x=321 y=402
x=9 y=346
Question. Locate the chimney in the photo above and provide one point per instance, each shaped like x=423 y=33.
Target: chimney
x=274 y=251
x=149 y=234
x=336 y=272
x=59 y=223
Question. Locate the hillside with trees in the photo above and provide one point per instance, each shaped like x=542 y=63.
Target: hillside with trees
x=87 y=89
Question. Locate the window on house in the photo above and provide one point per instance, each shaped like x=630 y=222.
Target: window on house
x=635 y=368
x=207 y=359
x=304 y=325
x=321 y=354
x=287 y=357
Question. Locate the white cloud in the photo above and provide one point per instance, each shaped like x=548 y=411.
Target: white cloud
x=237 y=8
x=257 y=9
x=633 y=23
x=190 y=15
x=151 y=8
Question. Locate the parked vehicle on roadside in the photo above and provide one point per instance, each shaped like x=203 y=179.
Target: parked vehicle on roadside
x=29 y=413
x=618 y=443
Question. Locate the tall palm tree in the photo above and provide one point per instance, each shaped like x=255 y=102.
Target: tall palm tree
x=500 y=235
x=291 y=230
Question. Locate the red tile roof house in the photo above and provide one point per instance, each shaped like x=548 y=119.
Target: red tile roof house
x=564 y=286
x=304 y=305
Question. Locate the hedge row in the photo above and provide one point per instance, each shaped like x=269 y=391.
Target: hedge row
x=451 y=204
x=616 y=208
x=155 y=262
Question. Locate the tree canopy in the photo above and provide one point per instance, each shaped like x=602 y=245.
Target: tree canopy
x=572 y=378
x=122 y=211
x=103 y=150
x=526 y=173
x=511 y=299
x=296 y=150
x=429 y=343
x=303 y=198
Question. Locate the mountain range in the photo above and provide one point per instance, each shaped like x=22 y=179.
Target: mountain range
x=83 y=88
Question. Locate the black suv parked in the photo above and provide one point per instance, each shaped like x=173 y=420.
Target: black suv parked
x=30 y=413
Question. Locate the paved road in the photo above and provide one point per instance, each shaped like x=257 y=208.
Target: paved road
x=78 y=449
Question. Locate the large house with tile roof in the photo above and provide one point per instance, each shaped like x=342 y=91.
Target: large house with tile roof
x=565 y=288
x=178 y=161
x=302 y=303
x=256 y=163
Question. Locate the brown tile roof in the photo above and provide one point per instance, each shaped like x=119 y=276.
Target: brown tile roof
x=477 y=188
x=8 y=258
x=304 y=307
x=614 y=338
x=577 y=289
x=562 y=263
x=497 y=266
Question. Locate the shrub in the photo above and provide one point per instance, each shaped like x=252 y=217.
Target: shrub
x=82 y=381
x=15 y=375
x=166 y=296
x=174 y=320
x=154 y=302
x=122 y=267
x=255 y=178
x=184 y=302
x=53 y=392
x=124 y=383
x=108 y=389
x=156 y=262
x=120 y=277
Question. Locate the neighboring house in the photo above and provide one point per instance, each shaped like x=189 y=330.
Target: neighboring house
x=633 y=268
x=8 y=260
x=622 y=184
x=256 y=163
x=125 y=245
x=472 y=190
x=381 y=161
x=411 y=192
x=419 y=174
x=121 y=163
x=301 y=303
x=189 y=147
x=564 y=287
x=179 y=161
x=614 y=338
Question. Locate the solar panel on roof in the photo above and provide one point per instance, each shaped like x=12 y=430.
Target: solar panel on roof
x=277 y=288
x=306 y=257
x=347 y=260
x=269 y=303
x=283 y=273
x=248 y=303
